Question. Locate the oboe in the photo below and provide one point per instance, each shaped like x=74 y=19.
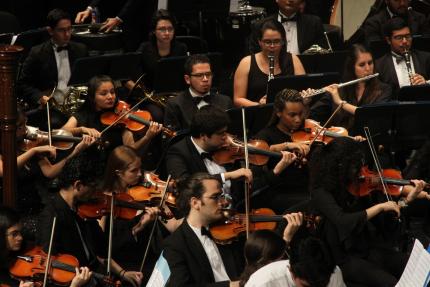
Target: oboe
x=408 y=64
x=271 y=67
x=341 y=85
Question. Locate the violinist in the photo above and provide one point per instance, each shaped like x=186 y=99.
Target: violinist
x=130 y=237
x=289 y=113
x=12 y=244
x=193 y=257
x=358 y=64
x=35 y=167
x=208 y=134
x=101 y=98
x=81 y=238
x=356 y=229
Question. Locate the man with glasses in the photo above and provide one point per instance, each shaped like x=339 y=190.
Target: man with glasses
x=374 y=26
x=48 y=65
x=402 y=66
x=198 y=75
x=193 y=257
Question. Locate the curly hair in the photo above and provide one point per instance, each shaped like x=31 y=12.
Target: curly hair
x=335 y=166
x=282 y=98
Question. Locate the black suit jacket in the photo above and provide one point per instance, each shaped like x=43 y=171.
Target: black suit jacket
x=180 y=110
x=310 y=31
x=188 y=262
x=387 y=72
x=373 y=26
x=39 y=72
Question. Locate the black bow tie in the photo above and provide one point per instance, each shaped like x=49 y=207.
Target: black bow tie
x=207 y=155
x=205 y=231
x=399 y=58
x=206 y=98
x=59 y=49
x=286 y=19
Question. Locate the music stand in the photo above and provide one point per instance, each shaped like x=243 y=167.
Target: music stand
x=257 y=118
x=323 y=63
x=414 y=93
x=117 y=66
x=299 y=83
x=411 y=125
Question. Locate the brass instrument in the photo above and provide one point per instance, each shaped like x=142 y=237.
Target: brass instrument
x=159 y=99
x=315 y=49
x=73 y=100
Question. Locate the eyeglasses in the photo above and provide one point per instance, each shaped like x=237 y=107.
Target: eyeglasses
x=218 y=196
x=166 y=29
x=63 y=30
x=407 y=37
x=275 y=42
x=202 y=75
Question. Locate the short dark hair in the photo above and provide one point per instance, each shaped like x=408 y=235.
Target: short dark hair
x=86 y=167
x=55 y=16
x=394 y=24
x=311 y=261
x=194 y=60
x=283 y=97
x=208 y=120
x=189 y=187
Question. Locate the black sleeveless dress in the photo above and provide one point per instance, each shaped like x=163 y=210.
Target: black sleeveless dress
x=257 y=80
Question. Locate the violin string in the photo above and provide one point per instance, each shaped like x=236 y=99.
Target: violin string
x=376 y=161
x=326 y=123
x=247 y=200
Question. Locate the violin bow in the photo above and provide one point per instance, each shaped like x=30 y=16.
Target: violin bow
x=247 y=184
x=48 y=114
x=48 y=259
x=109 y=259
x=377 y=163
x=122 y=116
x=163 y=198
x=326 y=123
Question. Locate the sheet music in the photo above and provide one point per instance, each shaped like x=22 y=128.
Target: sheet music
x=417 y=269
x=161 y=273
x=162 y=4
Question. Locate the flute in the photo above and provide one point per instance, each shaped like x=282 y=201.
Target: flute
x=341 y=85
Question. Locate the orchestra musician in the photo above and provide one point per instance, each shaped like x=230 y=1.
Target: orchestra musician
x=193 y=257
x=49 y=65
x=12 y=243
x=209 y=133
x=251 y=76
x=358 y=64
x=374 y=26
x=101 y=98
x=198 y=75
x=397 y=68
x=356 y=229
x=81 y=238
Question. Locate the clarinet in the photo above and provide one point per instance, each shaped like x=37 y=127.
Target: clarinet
x=271 y=67
x=408 y=65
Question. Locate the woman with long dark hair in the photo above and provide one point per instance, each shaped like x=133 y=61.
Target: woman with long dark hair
x=359 y=64
x=251 y=76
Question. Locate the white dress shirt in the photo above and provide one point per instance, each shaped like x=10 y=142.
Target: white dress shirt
x=402 y=71
x=195 y=95
x=277 y=274
x=64 y=72
x=218 y=268
x=291 y=33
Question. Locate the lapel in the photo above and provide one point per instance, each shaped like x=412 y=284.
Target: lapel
x=49 y=56
x=195 y=156
x=188 y=107
x=417 y=64
x=197 y=251
x=300 y=31
x=391 y=71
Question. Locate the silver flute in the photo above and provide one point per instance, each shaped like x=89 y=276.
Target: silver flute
x=341 y=85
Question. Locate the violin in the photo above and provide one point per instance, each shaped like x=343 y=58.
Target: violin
x=31 y=266
x=125 y=207
x=226 y=231
x=369 y=181
x=61 y=139
x=134 y=121
x=151 y=191
x=311 y=129
x=259 y=152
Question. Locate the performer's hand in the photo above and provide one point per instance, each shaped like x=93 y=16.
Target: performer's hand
x=50 y=150
x=239 y=173
x=294 y=221
x=417 y=79
x=82 y=277
x=286 y=160
x=417 y=188
x=109 y=24
x=43 y=100
x=302 y=148
x=334 y=92
x=263 y=100
x=81 y=16
x=133 y=277
x=91 y=132
x=390 y=206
